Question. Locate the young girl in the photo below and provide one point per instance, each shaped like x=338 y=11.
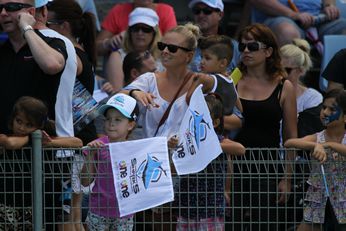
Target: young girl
x=325 y=198
x=30 y=114
x=120 y=112
x=201 y=196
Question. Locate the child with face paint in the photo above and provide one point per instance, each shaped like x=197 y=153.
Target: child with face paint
x=325 y=205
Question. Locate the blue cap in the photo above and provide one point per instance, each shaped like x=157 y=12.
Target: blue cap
x=40 y=3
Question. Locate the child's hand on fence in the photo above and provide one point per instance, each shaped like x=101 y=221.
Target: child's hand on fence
x=319 y=153
x=96 y=144
x=46 y=139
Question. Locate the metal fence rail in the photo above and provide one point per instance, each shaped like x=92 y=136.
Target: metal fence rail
x=36 y=192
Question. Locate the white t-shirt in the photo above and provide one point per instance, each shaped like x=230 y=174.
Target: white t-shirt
x=149 y=119
x=310 y=98
x=63 y=105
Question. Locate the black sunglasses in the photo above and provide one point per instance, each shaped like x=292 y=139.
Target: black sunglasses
x=251 y=46
x=144 y=29
x=206 y=11
x=14 y=6
x=171 y=48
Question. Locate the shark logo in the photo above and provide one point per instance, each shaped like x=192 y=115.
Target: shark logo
x=119 y=99
x=198 y=127
x=150 y=170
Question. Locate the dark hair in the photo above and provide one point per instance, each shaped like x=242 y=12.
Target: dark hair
x=35 y=111
x=219 y=45
x=132 y=60
x=215 y=106
x=82 y=24
x=262 y=33
x=340 y=97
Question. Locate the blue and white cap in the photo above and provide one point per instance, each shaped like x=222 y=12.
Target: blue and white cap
x=123 y=103
x=40 y=3
x=216 y=4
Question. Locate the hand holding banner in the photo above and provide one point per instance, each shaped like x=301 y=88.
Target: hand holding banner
x=142 y=175
x=198 y=143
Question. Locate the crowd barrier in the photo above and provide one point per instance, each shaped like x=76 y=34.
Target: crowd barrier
x=33 y=183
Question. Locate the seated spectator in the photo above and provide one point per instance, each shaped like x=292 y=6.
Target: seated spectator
x=208 y=15
x=335 y=71
x=288 y=22
x=296 y=61
x=142 y=35
x=117 y=20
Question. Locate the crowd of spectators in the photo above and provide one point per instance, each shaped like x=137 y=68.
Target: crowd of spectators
x=54 y=46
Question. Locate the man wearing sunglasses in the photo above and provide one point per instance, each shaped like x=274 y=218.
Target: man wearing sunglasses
x=208 y=15
x=30 y=63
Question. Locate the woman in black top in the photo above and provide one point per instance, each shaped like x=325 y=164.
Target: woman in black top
x=266 y=99
x=67 y=18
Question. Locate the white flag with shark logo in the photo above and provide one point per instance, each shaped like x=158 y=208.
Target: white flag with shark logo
x=198 y=143
x=142 y=175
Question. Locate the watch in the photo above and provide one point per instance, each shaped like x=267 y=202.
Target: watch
x=26 y=28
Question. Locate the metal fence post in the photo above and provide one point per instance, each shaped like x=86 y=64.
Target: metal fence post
x=37 y=179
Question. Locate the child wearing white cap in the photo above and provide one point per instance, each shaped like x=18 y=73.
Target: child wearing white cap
x=120 y=119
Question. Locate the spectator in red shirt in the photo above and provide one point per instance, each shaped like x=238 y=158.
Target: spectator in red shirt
x=116 y=23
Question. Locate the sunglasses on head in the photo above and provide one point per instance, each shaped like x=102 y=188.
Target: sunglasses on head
x=144 y=29
x=251 y=46
x=146 y=55
x=171 y=48
x=14 y=6
x=206 y=11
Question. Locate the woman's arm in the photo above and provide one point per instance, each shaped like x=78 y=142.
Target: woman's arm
x=13 y=142
x=289 y=108
x=231 y=147
x=307 y=142
x=114 y=71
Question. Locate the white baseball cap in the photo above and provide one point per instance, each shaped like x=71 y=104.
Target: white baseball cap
x=125 y=104
x=143 y=15
x=217 y=4
x=40 y=3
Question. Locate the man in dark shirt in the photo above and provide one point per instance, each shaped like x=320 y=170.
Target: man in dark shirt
x=30 y=63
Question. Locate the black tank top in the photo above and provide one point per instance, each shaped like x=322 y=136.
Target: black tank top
x=261 y=128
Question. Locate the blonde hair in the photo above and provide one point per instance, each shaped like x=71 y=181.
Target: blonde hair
x=128 y=46
x=298 y=53
x=191 y=32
